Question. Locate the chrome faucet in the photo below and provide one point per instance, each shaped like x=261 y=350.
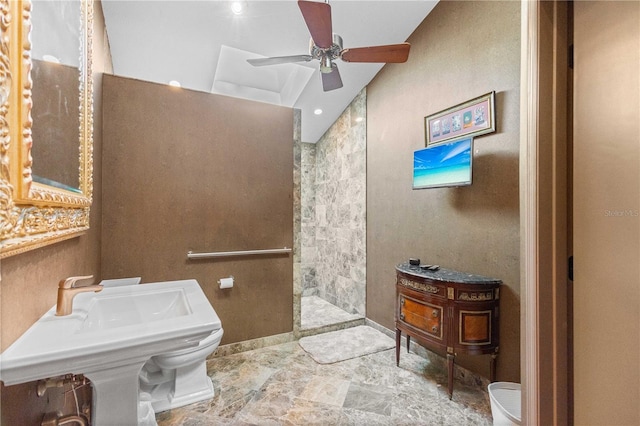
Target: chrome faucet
x=67 y=291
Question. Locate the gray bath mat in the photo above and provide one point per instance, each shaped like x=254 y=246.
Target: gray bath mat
x=345 y=344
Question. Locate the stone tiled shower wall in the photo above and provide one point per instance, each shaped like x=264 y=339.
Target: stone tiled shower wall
x=308 y=219
x=334 y=212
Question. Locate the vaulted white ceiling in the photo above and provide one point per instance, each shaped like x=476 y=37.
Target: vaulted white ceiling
x=204 y=45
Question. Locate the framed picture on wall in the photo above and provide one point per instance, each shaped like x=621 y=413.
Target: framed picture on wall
x=472 y=118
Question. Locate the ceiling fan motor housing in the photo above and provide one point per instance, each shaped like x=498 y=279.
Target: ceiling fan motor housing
x=326 y=56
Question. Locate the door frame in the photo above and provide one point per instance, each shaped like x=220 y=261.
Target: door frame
x=543 y=213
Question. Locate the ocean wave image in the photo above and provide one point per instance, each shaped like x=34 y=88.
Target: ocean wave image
x=447 y=164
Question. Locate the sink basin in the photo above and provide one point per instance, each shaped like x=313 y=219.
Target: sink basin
x=120 y=310
x=108 y=337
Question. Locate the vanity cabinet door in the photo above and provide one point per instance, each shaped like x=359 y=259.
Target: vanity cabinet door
x=477 y=330
x=475 y=327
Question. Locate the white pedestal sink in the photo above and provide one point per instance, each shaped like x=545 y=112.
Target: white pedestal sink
x=108 y=338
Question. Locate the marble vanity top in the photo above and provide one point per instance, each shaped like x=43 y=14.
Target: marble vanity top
x=447 y=275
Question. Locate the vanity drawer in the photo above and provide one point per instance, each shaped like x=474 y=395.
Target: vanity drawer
x=424 y=316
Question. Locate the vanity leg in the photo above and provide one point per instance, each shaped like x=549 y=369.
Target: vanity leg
x=398 y=336
x=492 y=373
x=408 y=342
x=450 y=361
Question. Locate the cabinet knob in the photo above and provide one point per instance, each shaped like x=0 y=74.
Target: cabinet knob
x=434 y=328
x=434 y=314
x=402 y=301
x=401 y=316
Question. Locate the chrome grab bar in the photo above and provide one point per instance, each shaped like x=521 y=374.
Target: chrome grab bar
x=192 y=255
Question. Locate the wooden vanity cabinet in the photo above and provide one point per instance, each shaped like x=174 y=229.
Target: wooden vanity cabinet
x=448 y=312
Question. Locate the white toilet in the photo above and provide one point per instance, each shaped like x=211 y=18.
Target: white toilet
x=178 y=378
x=505 y=403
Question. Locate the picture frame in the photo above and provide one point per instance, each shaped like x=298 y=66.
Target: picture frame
x=471 y=118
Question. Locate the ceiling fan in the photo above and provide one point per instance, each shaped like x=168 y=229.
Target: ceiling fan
x=327 y=46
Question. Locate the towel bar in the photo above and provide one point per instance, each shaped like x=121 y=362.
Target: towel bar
x=192 y=255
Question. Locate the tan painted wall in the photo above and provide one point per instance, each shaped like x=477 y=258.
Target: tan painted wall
x=187 y=170
x=607 y=213
x=462 y=50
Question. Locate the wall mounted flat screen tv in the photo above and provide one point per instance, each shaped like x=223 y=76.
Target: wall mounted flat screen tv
x=442 y=165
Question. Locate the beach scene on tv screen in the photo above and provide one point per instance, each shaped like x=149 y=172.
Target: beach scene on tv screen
x=447 y=164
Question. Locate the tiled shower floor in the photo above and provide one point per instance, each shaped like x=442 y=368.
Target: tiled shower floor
x=317 y=312
x=283 y=385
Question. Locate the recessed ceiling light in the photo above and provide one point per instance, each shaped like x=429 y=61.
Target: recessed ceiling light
x=359 y=119
x=317 y=111
x=51 y=58
x=238 y=7
x=175 y=83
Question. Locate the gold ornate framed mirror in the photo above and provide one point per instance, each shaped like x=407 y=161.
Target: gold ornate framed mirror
x=38 y=211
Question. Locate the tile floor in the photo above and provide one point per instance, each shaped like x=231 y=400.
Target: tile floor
x=283 y=385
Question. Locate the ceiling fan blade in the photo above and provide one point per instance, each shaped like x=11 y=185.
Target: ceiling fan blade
x=331 y=80
x=392 y=53
x=318 y=19
x=259 y=62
